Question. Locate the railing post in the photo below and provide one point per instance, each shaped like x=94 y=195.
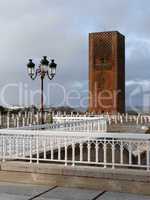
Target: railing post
x=17 y=146
x=98 y=125
x=91 y=126
x=137 y=120
x=28 y=120
x=14 y=122
x=74 y=126
x=23 y=146
x=10 y=148
x=130 y=153
x=109 y=119
x=52 y=150
x=121 y=119
x=37 y=148
x=148 y=119
x=1 y=119
x=8 y=120
x=96 y=150
x=126 y=117
x=89 y=151
x=73 y=154
x=37 y=118
x=59 y=152
x=121 y=152
x=88 y=126
x=45 y=117
x=81 y=152
x=84 y=125
x=115 y=119
x=105 y=153
x=23 y=121
x=141 y=119
x=148 y=156
x=4 y=148
x=113 y=154
x=17 y=121
x=66 y=157
x=44 y=147
x=139 y=155
x=30 y=146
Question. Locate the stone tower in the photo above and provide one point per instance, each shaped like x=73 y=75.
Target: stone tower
x=106 y=72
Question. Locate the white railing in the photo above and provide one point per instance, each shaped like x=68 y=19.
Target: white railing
x=74 y=118
x=21 y=119
x=77 y=148
x=111 y=118
x=91 y=124
x=128 y=119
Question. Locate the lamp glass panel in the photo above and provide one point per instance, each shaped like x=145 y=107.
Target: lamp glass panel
x=31 y=71
x=43 y=68
x=53 y=70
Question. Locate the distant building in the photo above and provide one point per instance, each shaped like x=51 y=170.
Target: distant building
x=14 y=107
x=106 y=72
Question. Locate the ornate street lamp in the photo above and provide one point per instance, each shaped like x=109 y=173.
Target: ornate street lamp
x=44 y=69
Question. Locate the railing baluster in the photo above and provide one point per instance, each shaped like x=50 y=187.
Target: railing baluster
x=96 y=150
x=148 y=156
x=113 y=154
x=105 y=153
x=66 y=156
x=121 y=152
x=81 y=152
x=98 y=125
x=59 y=152
x=17 y=146
x=44 y=147
x=9 y=143
x=1 y=147
x=130 y=154
x=73 y=154
x=37 y=149
x=30 y=141
x=89 y=151
x=23 y=146
x=139 y=154
x=4 y=148
x=52 y=150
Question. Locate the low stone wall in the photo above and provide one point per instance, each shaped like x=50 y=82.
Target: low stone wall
x=120 y=180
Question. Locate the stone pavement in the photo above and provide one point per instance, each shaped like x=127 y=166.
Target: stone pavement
x=11 y=191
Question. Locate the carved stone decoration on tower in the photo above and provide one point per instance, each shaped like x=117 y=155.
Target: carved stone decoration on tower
x=106 y=72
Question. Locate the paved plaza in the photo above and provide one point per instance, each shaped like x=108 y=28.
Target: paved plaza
x=11 y=191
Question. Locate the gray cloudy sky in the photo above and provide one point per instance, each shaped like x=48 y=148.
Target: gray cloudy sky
x=59 y=29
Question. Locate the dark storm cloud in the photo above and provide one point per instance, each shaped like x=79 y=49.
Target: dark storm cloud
x=59 y=29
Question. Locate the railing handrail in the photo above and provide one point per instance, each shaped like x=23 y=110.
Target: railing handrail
x=52 y=126
x=93 y=134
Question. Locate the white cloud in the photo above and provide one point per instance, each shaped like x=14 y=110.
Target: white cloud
x=145 y=84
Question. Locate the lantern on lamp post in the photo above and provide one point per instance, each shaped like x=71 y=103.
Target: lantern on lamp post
x=44 y=69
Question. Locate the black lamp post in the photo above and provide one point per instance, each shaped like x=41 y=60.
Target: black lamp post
x=44 y=69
